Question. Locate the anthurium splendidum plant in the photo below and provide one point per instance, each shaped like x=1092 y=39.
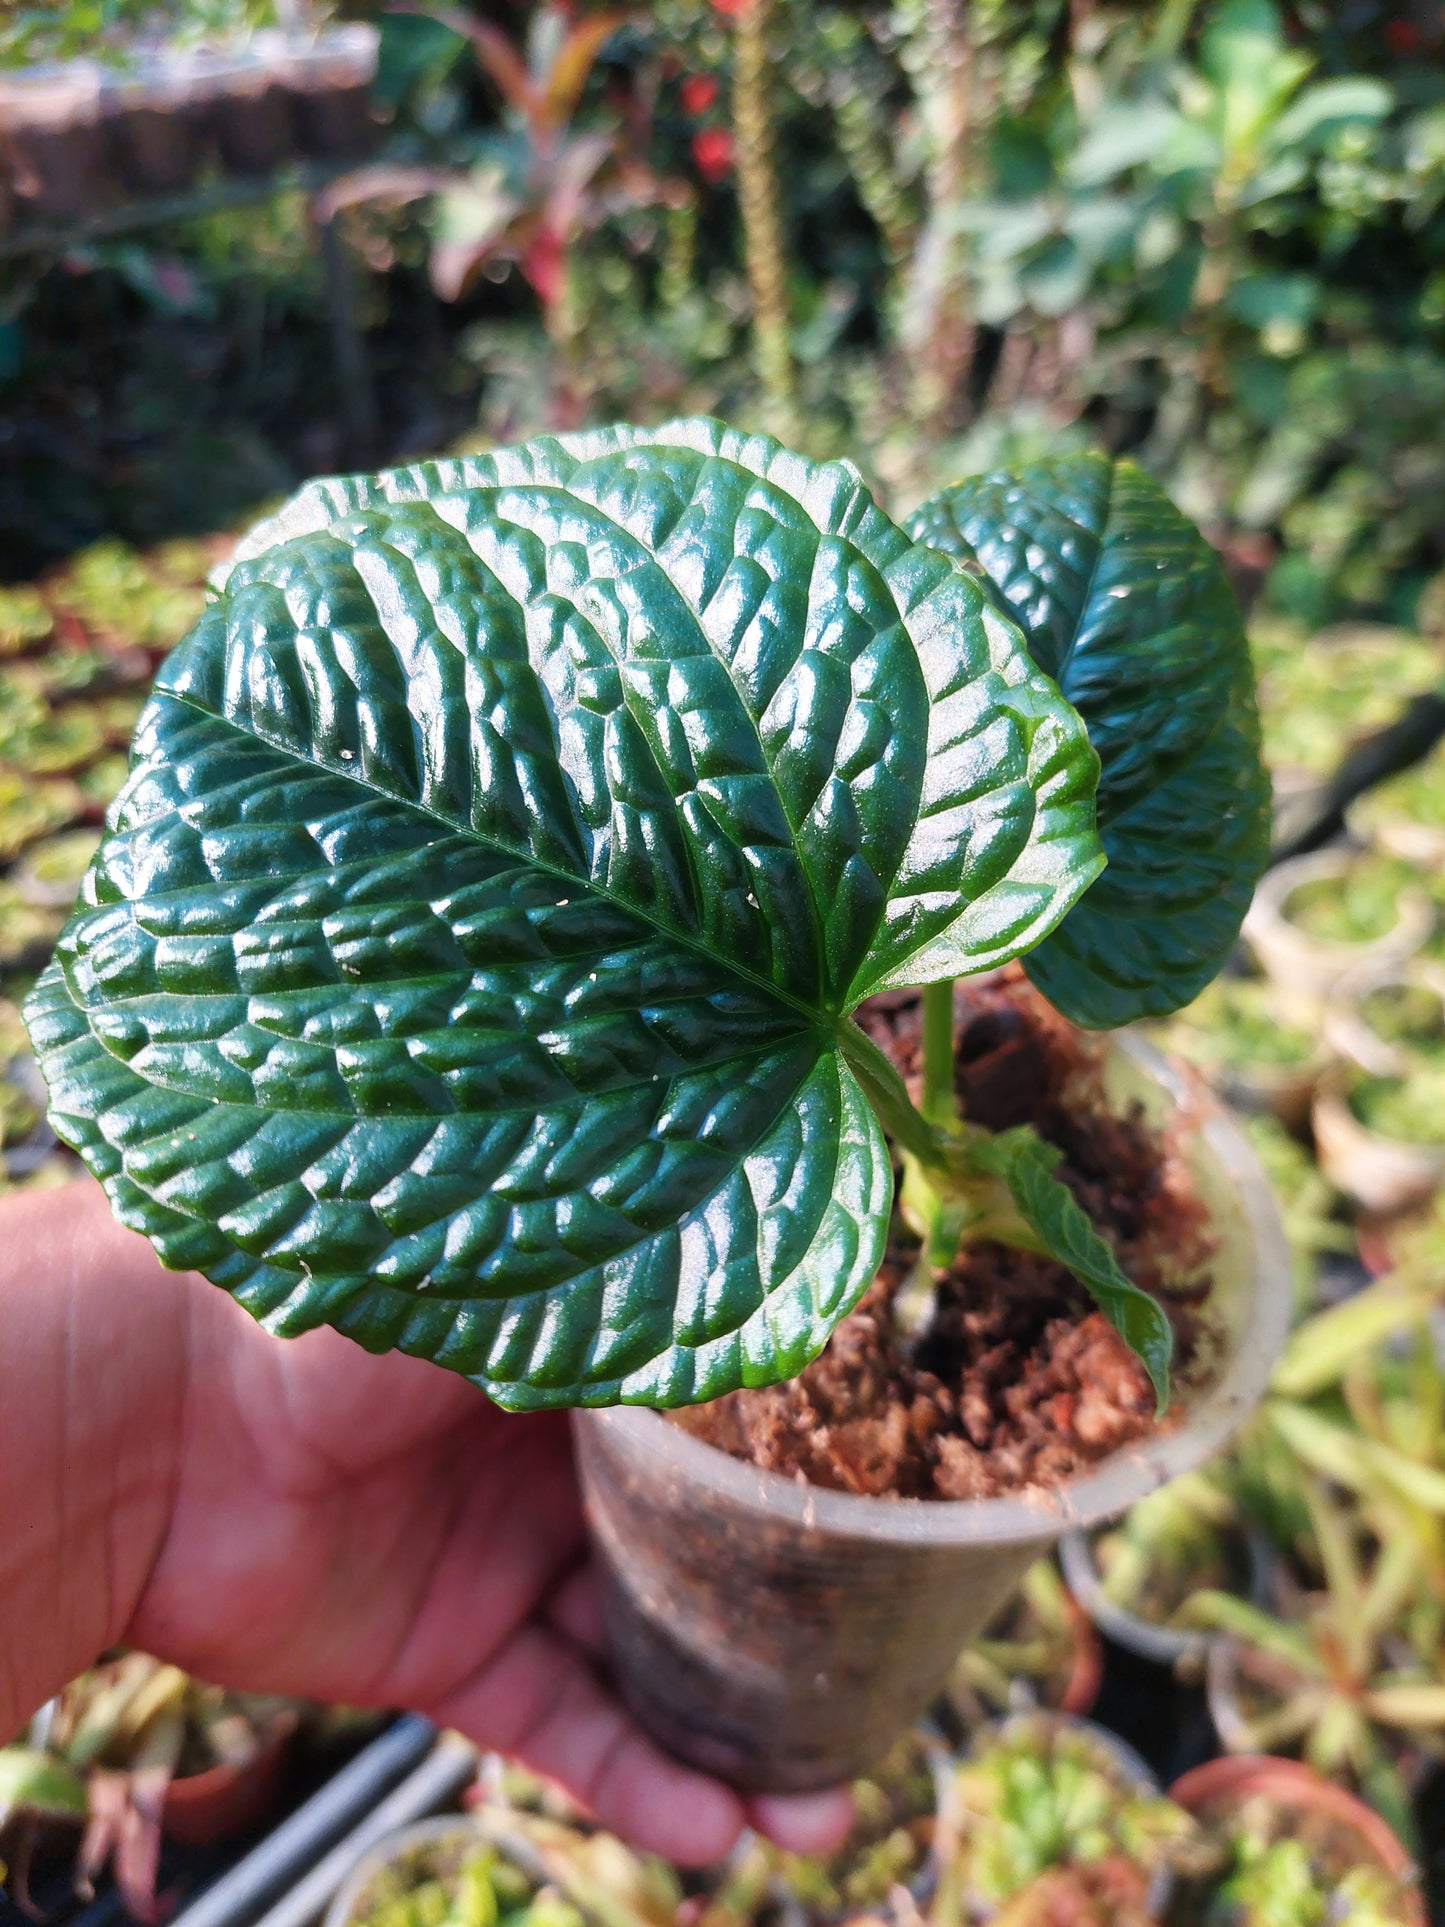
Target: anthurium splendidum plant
x=471 y=958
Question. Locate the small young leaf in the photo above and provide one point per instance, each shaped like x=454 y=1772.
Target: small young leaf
x=467 y=960
x=1126 y=605
x=1025 y=1164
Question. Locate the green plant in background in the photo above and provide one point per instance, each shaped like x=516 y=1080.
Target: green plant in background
x=771 y=756
x=1041 y=1646
x=1276 y=1883
x=1409 y=1109
x=105 y=29
x=1236 y=1022
x=1343 y=1467
x=112 y=1743
x=1318 y=694
x=1359 y=907
x=1180 y=1540
x=1308 y=1203
x=1039 y=1795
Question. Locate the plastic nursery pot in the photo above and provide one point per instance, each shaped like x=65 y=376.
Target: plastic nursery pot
x=1208 y=1034
x=328 y=80
x=53 y=140
x=1382 y=1175
x=431 y=1845
x=784 y=1636
x=1347 y=1023
x=1164 y=1644
x=1215 y=1792
x=1306 y=968
x=230 y=1798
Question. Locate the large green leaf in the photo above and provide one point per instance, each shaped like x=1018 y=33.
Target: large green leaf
x=1127 y=607
x=468 y=957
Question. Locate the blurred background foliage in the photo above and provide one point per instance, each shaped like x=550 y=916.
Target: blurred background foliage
x=930 y=235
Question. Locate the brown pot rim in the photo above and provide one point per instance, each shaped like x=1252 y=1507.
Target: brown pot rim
x=1292 y=1783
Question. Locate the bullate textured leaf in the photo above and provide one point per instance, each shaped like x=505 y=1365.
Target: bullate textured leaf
x=1128 y=608
x=468 y=961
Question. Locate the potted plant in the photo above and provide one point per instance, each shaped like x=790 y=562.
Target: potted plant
x=1317 y=917
x=885 y=1870
x=1381 y=1140
x=1347 y=1672
x=1405 y=817
x=1256 y=1056
x=639 y=760
x=1298 y=1850
x=38 y=1794
x=505 y=1867
x=155 y=1752
x=1045 y=1805
x=1136 y=1579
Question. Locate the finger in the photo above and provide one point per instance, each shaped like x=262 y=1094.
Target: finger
x=576 y=1608
x=539 y=1700
x=804 y=1822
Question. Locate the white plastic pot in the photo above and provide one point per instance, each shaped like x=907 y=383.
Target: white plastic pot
x=1307 y=968
x=1383 y=1175
x=784 y=1636
x=1345 y=1025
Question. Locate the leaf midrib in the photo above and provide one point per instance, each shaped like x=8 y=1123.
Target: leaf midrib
x=815 y=1013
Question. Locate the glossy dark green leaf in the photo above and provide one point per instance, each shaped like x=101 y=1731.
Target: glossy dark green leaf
x=1025 y=1163
x=465 y=963
x=1127 y=607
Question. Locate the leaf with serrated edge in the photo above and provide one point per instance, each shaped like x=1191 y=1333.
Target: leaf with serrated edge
x=1025 y=1163
x=1126 y=605
x=465 y=962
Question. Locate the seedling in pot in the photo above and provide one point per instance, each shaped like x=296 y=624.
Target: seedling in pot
x=1334 y=1673
x=1292 y=1849
x=128 y=1732
x=1040 y=1799
x=881 y=1872
x=470 y=960
x=1137 y=1577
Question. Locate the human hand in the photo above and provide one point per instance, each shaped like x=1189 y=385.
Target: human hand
x=297 y=1516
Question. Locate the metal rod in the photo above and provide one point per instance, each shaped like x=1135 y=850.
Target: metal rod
x=297 y=1842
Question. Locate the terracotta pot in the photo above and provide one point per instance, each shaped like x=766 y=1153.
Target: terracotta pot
x=1307 y=968
x=1210 y=1791
x=155 y=131
x=328 y=81
x=784 y=1636
x=53 y=145
x=1383 y=1175
x=229 y=1799
x=247 y=109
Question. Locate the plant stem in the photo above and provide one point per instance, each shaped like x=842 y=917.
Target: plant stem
x=762 y=230
x=940 y=1106
x=885 y=1091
